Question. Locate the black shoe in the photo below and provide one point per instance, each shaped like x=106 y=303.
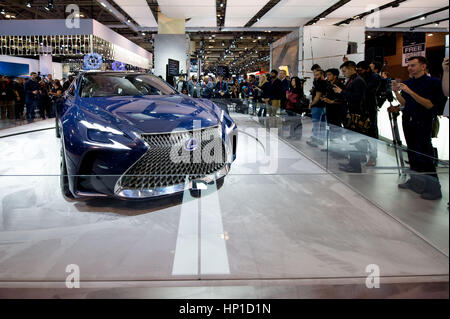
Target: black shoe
x=404 y=185
x=350 y=169
x=417 y=184
x=432 y=196
x=310 y=143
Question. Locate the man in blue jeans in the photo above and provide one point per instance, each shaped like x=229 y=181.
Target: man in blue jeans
x=318 y=109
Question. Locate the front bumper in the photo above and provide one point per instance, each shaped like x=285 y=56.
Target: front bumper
x=195 y=184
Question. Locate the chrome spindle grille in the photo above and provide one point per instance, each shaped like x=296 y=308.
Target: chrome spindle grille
x=157 y=168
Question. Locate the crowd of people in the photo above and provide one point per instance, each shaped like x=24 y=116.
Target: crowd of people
x=22 y=98
x=351 y=102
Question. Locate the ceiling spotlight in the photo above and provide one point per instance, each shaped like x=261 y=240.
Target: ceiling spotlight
x=223 y=43
x=143 y=33
x=3 y=12
x=221 y=5
x=321 y=19
x=49 y=5
x=28 y=3
x=423 y=18
x=369 y=37
x=436 y=24
x=430 y=34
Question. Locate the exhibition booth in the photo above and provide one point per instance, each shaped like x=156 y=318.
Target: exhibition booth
x=134 y=187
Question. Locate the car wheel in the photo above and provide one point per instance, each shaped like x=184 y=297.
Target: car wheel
x=64 y=179
x=58 y=135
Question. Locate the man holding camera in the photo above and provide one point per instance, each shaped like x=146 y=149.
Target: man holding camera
x=335 y=108
x=420 y=97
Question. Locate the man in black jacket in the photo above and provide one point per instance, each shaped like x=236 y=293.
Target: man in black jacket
x=373 y=82
x=276 y=93
x=318 y=109
x=335 y=107
x=285 y=85
x=19 y=91
x=31 y=95
x=354 y=92
x=354 y=95
x=7 y=98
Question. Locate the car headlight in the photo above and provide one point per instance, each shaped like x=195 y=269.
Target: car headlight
x=103 y=135
x=100 y=128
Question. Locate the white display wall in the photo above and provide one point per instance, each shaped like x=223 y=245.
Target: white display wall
x=171 y=46
x=326 y=46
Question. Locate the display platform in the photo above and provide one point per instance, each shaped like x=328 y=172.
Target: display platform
x=285 y=224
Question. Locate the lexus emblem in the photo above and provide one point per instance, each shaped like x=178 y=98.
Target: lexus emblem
x=191 y=144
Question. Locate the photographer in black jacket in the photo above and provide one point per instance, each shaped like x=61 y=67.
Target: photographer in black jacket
x=421 y=97
x=335 y=107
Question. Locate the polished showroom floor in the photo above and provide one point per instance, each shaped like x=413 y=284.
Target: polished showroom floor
x=286 y=223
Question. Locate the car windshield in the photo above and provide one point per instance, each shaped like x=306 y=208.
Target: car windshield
x=103 y=85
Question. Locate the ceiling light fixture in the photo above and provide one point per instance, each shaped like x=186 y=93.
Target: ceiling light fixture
x=49 y=5
x=423 y=18
x=28 y=4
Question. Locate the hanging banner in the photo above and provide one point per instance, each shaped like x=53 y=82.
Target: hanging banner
x=413 y=45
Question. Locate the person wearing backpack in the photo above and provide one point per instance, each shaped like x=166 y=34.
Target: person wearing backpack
x=422 y=100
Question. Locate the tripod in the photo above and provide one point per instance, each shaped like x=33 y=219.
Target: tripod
x=397 y=143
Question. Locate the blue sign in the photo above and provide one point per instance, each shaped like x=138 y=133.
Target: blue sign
x=14 y=69
x=118 y=66
x=93 y=61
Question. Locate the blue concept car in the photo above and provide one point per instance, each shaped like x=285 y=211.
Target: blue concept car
x=133 y=136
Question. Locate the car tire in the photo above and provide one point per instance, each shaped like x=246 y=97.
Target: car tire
x=58 y=135
x=64 y=179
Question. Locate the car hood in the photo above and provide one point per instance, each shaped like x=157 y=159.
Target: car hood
x=155 y=114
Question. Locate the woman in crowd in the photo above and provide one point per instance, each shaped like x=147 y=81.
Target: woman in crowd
x=293 y=96
x=235 y=90
x=264 y=89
